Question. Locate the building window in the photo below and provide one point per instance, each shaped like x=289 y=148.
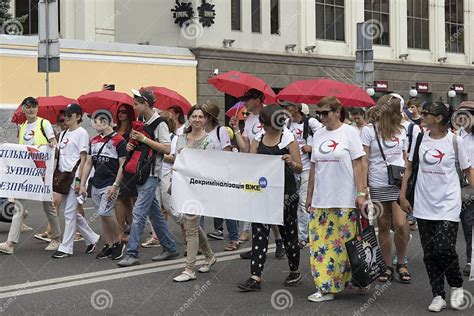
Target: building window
x=418 y=23
x=454 y=25
x=378 y=12
x=29 y=10
x=235 y=15
x=256 y=16
x=275 y=17
x=330 y=20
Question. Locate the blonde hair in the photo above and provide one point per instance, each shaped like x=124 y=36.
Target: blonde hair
x=387 y=117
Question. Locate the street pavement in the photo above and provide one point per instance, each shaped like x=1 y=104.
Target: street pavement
x=32 y=283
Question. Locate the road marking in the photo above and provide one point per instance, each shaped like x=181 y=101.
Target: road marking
x=110 y=274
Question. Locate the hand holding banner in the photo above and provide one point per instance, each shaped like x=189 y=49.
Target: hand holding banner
x=228 y=185
x=26 y=172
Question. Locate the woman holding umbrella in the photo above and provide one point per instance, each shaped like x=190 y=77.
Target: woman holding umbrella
x=335 y=189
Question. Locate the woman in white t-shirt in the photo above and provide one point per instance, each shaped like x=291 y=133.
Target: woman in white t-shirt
x=73 y=149
x=437 y=201
x=335 y=189
x=385 y=143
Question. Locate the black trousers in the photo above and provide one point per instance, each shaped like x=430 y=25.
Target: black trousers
x=289 y=234
x=467 y=221
x=438 y=239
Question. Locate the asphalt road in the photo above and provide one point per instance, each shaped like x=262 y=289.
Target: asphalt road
x=32 y=283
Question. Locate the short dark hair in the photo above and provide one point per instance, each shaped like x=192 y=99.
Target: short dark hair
x=358 y=111
x=270 y=116
x=29 y=101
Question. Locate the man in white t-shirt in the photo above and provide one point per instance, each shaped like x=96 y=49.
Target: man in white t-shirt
x=35 y=131
x=303 y=128
x=466 y=112
x=148 y=203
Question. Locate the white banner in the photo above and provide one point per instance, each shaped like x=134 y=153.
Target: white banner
x=26 y=172
x=229 y=185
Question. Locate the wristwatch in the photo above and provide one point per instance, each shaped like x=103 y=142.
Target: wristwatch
x=363 y=194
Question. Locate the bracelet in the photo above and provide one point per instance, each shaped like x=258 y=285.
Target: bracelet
x=117 y=185
x=359 y=194
x=78 y=180
x=144 y=139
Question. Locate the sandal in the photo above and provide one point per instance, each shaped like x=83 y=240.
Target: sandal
x=232 y=246
x=404 y=277
x=387 y=275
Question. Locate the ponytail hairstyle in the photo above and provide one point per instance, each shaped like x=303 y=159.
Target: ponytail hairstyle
x=442 y=109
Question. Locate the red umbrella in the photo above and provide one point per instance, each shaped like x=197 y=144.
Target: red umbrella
x=48 y=108
x=237 y=83
x=312 y=91
x=104 y=100
x=166 y=98
x=237 y=110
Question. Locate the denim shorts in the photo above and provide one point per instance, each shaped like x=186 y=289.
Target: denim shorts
x=102 y=202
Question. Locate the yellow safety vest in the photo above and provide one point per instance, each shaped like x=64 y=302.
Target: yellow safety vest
x=39 y=138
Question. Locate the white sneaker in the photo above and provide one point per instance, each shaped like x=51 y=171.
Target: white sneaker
x=53 y=245
x=437 y=304
x=457 y=298
x=25 y=228
x=4 y=248
x=207 y=266
x=185 y=276
x=320 y=297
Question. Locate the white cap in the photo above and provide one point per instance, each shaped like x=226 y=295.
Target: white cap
x=305 y=108
x=402 y=102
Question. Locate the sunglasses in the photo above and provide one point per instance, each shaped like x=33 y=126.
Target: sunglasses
x=246 y=113
x=68 y=115
x=122 y=112
x=323 y=113
x=61 y=121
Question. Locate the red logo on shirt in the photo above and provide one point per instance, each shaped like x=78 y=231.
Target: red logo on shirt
x=298 y=132
x=258 y=127
x=64 y=143
x=433 y=156
x=328 y=146
x=395 y=140
x=29 y=136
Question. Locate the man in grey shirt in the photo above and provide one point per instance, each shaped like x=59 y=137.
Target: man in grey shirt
x=144 y=206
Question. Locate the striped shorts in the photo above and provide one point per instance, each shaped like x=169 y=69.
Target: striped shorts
x=385 y=194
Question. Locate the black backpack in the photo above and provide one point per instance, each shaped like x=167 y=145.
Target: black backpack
x=143 y=159
x=306 y=130
x=410 y=136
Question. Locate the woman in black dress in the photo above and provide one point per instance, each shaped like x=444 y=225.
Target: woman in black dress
x=277 y=141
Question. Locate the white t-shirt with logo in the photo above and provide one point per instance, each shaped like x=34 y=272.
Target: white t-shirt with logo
x=437 y=190
x=393 y=150
x=415 y=132
x=469 y=144
x=70 y=148
x=223 y=135
x=333 y=153
x=253 y=128
x=297 y=130
x=180 y=130
x=29 y=137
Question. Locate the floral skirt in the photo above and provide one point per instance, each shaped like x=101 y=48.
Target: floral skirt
x=329 y=230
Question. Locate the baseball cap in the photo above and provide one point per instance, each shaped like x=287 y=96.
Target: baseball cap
x=103 y=115
x=252 y=94
x=305 y=108
x=145 y=94
x=73 y=108
x=467 y=105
